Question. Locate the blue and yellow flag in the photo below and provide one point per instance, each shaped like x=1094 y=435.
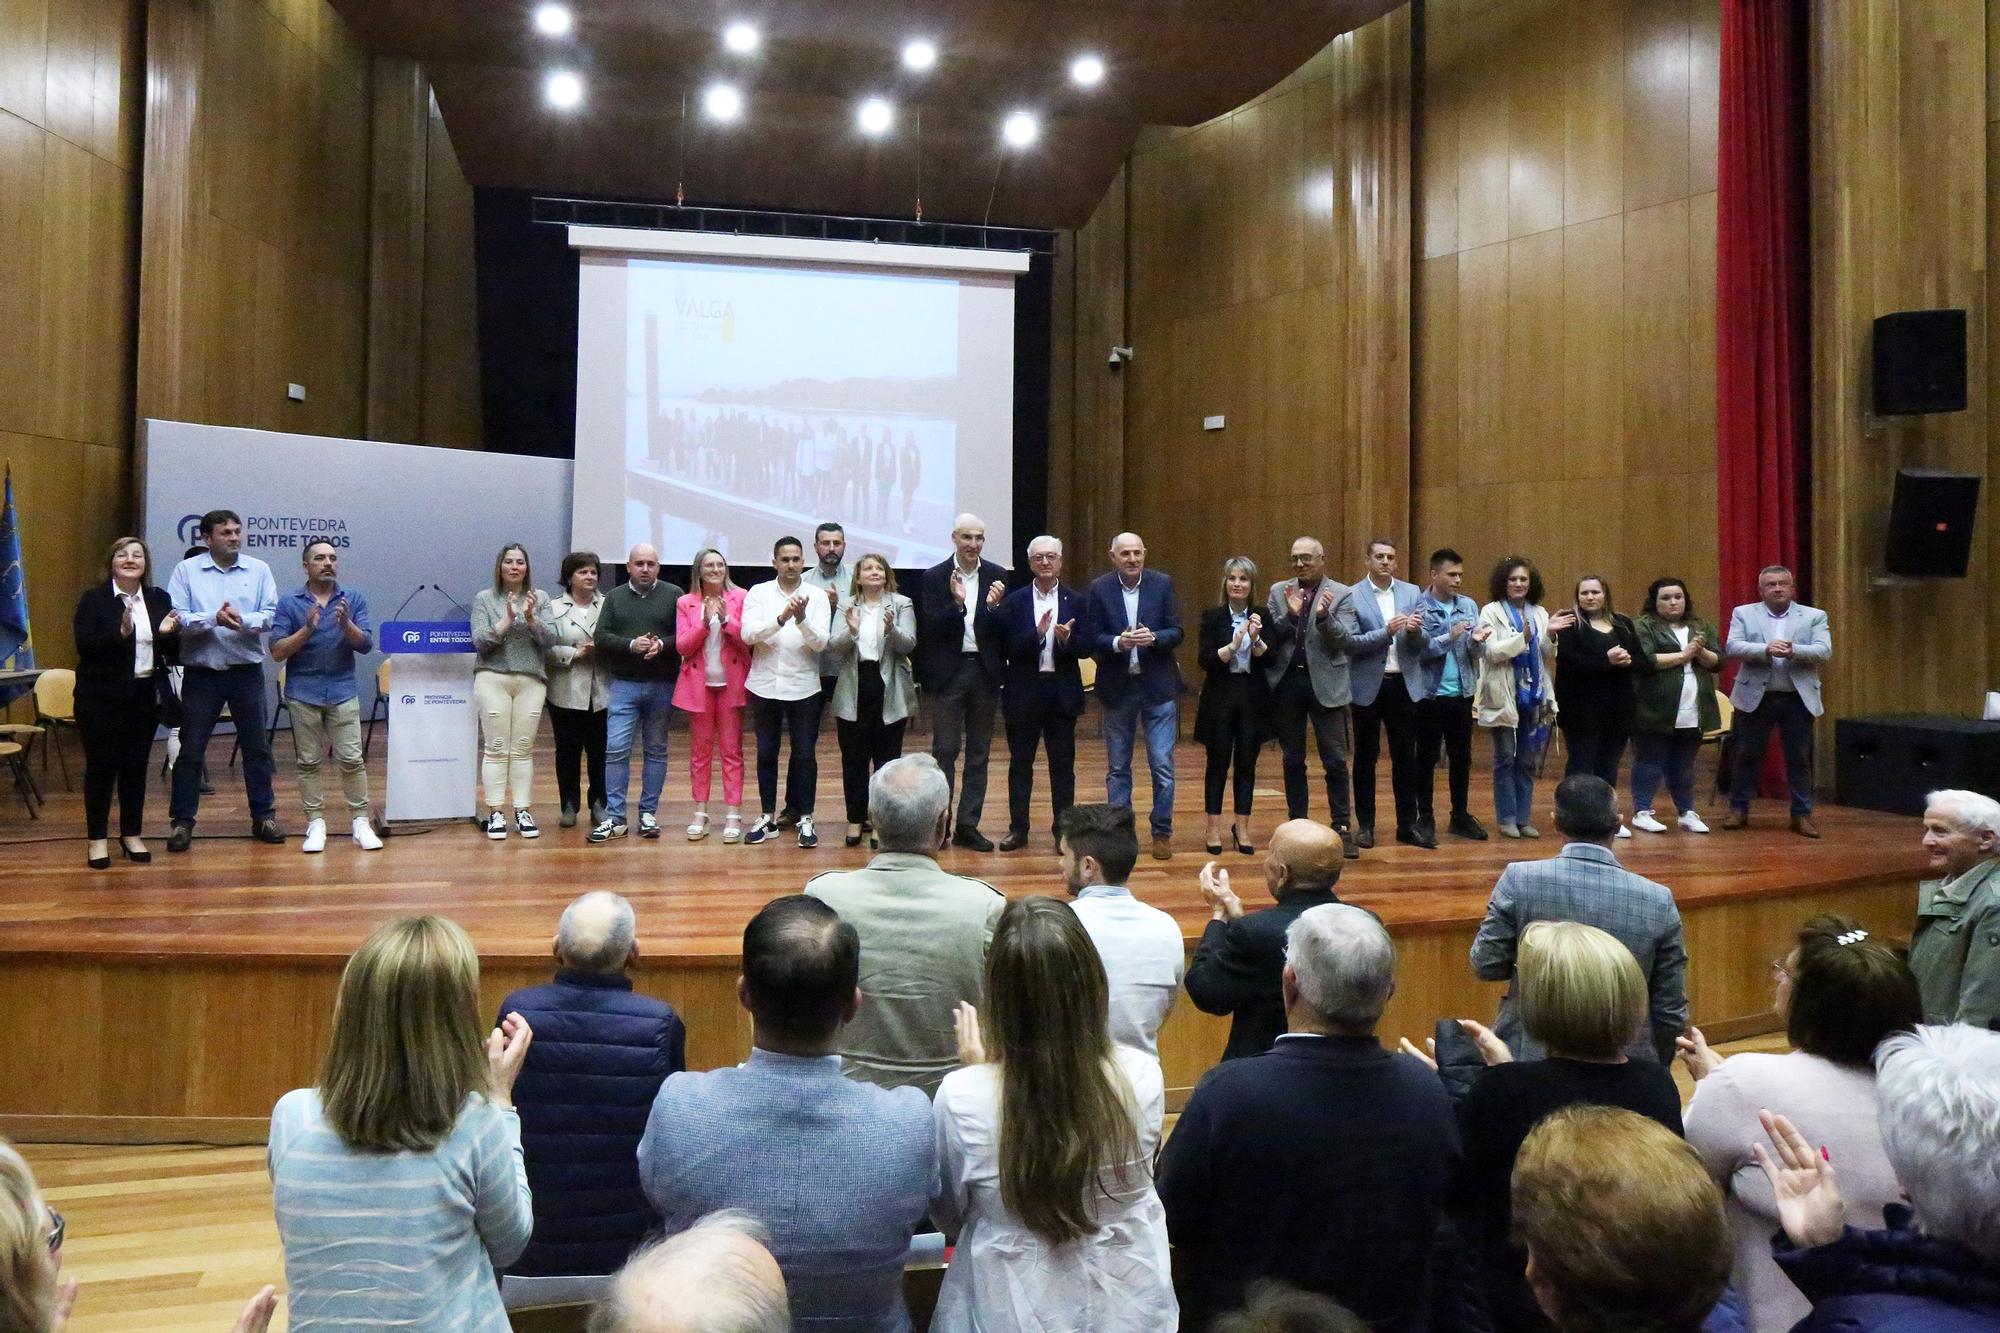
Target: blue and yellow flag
x=17 y=641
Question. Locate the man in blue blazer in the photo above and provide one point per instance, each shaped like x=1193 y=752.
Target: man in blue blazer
x=958 y=664
x=1385 y=640
x=1781 y=644
x=1042 y=693
x=1133 y=629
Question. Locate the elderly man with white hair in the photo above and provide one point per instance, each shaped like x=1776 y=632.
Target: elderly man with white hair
x=1936 y=1265
x=715 y=1277
x=958 y=665
x=1132 y=629
x=601 y=1052
x=1955 y=951
x=1324 y=1163
x=635 y=643
x=924 y=933
x=1042 y=696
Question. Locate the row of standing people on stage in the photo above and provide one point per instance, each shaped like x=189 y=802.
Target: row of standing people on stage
x=1345 y=665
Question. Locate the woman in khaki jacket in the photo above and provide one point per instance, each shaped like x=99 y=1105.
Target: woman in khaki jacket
x=1515 y=698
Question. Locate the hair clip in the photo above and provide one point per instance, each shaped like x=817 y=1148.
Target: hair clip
x=1851 y=937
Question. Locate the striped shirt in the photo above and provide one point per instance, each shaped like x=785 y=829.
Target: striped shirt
x=398 y=1239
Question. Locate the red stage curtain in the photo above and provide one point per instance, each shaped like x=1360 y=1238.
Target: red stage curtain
x=1761 y=307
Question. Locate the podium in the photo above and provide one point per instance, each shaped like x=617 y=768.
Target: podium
x=433 y=724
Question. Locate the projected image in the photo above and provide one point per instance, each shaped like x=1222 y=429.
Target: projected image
x=762 y=400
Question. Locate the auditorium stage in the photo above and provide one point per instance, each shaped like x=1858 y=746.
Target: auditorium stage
x=178 y=1000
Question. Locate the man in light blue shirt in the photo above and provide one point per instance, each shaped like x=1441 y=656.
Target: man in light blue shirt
x=225 y=601
x=1442 y=688
x=316 y=632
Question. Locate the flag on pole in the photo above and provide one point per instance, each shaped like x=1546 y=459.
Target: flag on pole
x=17 y=641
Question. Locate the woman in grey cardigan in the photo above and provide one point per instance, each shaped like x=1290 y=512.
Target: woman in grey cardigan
x=511 y=635
x=874 y=631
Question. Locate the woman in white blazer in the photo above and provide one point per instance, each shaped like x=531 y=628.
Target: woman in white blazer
x=1515 y=697
x=874 y=632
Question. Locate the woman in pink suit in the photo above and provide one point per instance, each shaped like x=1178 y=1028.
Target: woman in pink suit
x=714 y=662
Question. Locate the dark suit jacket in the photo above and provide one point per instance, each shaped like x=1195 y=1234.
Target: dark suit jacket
x=1237 y=968
x=941 y=625
x=1021 y=649
x=1159 y=678
x=103 y=655
x=1323 y=1163
x=1213 y=637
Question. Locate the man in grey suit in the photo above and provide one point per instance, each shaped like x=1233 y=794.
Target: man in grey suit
x=1584 y=882
x=1385 y=641
x=840 y=1223
x=1781 y=644
x=1309 y=683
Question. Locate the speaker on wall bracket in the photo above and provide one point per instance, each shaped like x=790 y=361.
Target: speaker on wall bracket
x=1919 y=362
x=1930 y=526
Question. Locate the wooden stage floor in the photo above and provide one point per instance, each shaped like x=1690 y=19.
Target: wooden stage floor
x=246 y=929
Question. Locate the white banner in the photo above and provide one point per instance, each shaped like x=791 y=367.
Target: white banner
x=433 y=737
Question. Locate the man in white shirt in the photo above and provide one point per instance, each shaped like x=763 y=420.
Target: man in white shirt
x=1042 y=697
x=1144 y=955
x=785 y=623
x=958 y=664
x=1781 y=644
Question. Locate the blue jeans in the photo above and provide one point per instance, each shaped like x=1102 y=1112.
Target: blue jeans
x=1122 y=722
x=1659 y=755
x=645 y=706
x=1513 y=776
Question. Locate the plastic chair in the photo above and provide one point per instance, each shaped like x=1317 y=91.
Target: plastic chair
x=1723 y=738
x=1087 y=668
x=15 y=756
x=380 y=708
x=55 y=709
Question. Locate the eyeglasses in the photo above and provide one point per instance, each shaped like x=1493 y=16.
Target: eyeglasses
x=1779 y=972
x=56 y=1228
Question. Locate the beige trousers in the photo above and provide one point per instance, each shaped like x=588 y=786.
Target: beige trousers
x=510 y=712
x=315 y=727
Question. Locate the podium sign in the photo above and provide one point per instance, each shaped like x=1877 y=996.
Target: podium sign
x=433 y=725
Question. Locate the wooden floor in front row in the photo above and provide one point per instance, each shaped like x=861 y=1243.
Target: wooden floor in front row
x=173 y=1239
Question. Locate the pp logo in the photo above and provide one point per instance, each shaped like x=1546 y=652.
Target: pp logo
x=413 y=636
x=409 y=698
x=188 y=528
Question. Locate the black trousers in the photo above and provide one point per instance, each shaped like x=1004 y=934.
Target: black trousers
x=1039 y=721
x=866 y=743
x=579 y=733
x=1392 y=712
x=116 y=726
x=1295 y=705
x=1233 y=748
x=1594 y=732
x=774 y=719
x=962 y=712
x=1784 y=712
x=1443 y=723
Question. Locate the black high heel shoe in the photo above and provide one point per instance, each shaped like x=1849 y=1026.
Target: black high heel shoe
x=99 y=862
x=1213 y=848
x=1237 y=838
x=136 y=858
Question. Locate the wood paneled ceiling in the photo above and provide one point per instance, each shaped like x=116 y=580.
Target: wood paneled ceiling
x=1170 y=62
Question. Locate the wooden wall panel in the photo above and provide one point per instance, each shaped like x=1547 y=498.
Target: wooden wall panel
x=449 y=370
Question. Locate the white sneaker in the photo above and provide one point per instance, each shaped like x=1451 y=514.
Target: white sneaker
x=1646 y=820
x=315 y=839
x=365 y=836
x=1624 y=832
x=1692 y=822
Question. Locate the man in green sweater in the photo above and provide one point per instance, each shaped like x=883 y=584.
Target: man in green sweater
x=635 y=642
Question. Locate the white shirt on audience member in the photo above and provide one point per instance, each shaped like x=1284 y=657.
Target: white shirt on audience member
x=1144 y=958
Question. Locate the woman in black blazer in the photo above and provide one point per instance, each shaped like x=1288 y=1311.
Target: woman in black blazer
x=1232 y=719
x=126 y=636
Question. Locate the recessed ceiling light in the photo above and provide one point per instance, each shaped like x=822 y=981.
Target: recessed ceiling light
x=1021 y=129
x=563 y=90
x=875 y=116
x=742 y=38
x=722 y=102
x=919 y=55
x=1087 y=71
x=553 y=20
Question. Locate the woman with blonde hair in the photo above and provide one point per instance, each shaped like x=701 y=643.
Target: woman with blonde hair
x=413 y=1105
x=1044 y=1149
x=708 y=634
x=511 y=638
x=874 y=633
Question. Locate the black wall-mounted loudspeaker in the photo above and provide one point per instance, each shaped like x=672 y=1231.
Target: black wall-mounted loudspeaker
x=1930 y=523
x=1891 y=763
x=1919 y=362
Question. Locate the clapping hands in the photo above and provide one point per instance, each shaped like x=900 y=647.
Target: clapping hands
x=1562 y=620
x=1223 y=904
x=1491 y=1049
x=506 y=1048
x=229 y=617
x=1695 y=1052
x=971 y=1044
x=996 y=593
x=1809 y=1204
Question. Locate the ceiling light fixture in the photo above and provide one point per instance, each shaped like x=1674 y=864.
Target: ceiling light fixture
x=1020 y=129
x=1087 y=71
x=919 y=55
x=563 y=90
x=742 y=38
x=875 y=116
x=722 y=102
x=554 y=20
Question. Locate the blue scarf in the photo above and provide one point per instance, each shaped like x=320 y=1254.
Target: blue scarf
x=1527 y=670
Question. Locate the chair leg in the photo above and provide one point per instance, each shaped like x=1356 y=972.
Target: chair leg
x=62 y=760
x=23 y=784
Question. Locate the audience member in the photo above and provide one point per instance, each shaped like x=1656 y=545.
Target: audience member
x=1233 y=719
x=1581 y=997
x=923 y=930
x=1841 y=994
x=411 y=1109
x=1584 y=882
x=1935 y=1268
x=601 y=1052
x=1513 y=697
x=718 y=1276
x=1238 y=964
x=1274 y=1307
x=1140 y=946
x=1055 y=1214
x=1326 y=1162
x=1622 y=1228
x=837 y=1171
x=1956 y=951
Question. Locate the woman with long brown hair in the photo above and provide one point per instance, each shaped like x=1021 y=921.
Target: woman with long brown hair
x=1045 y=1147
x=415 y=1106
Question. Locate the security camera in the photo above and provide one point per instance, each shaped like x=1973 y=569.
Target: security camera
x=1119 y=356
